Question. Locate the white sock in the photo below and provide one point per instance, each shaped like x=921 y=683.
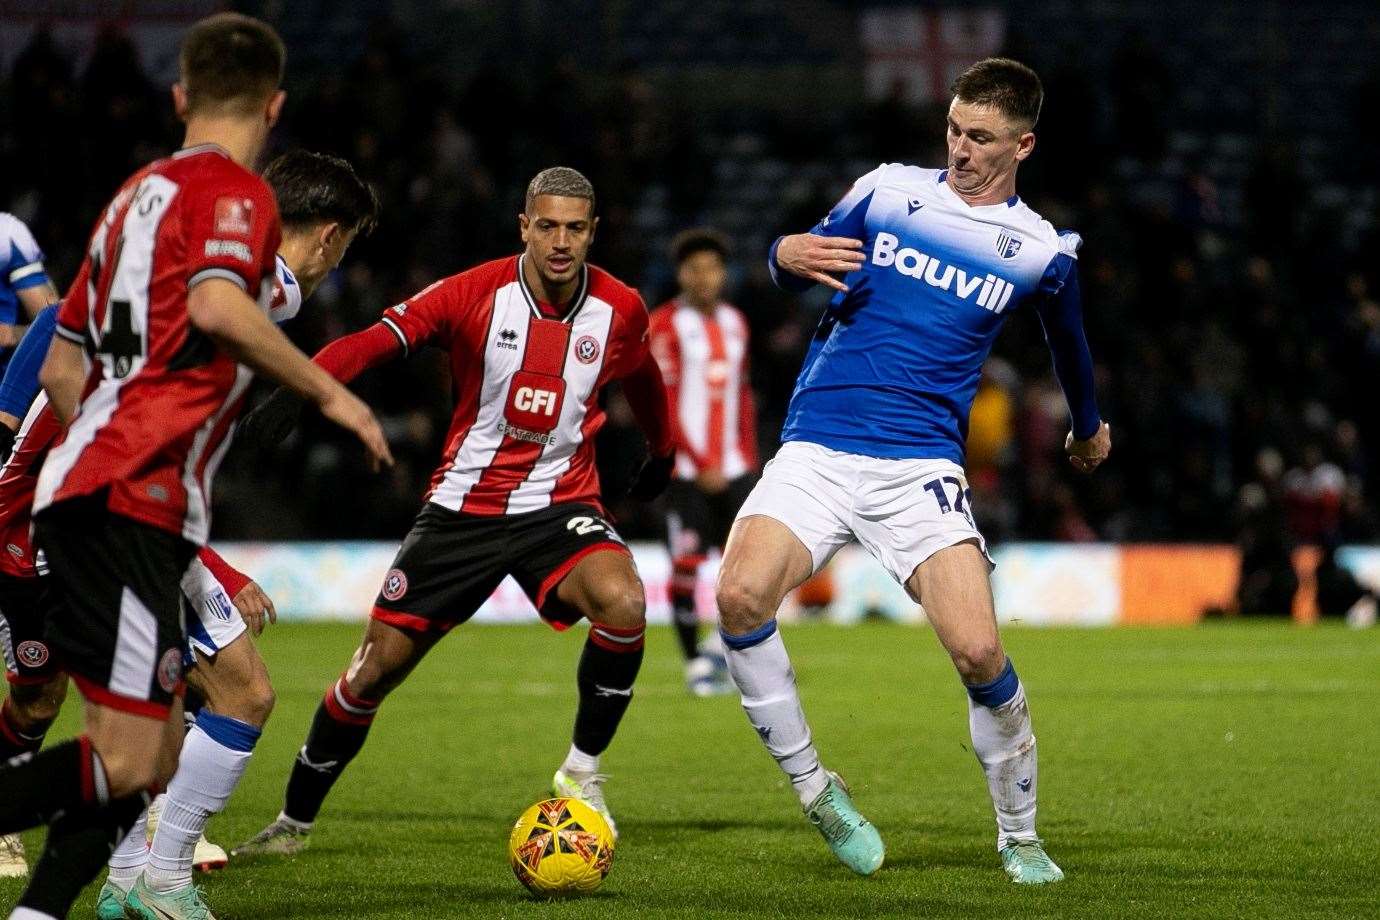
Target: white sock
x=579 y=763
x=1005 y=746
x=128 y=861
x=302 y=826
x=762 y=671
x=28 y=913
x=207 y=774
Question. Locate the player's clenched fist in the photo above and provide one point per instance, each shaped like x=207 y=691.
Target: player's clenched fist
x=1087 y=455
x=350 y=413
x=819 y=258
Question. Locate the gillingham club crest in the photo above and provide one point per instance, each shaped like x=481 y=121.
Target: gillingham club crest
x=1008 y=245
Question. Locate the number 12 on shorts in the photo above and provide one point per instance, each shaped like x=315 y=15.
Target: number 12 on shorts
x=963 y=496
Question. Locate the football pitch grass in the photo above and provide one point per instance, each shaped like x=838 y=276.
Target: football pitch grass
x=1225 y=771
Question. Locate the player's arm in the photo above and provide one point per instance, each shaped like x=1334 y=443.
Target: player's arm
x=424 y=318
x=63 y=376
x=645 y=391
x=832 y=247
x=344 y=359
x=1089 y=440
x=64 y=371
x=254 y=606
x=219 y=308
x=20 y=384
x=30 y=282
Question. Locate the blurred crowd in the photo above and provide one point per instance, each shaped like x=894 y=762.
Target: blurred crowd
x=1235 y=323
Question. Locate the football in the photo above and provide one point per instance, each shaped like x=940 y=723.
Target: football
x=560 y=847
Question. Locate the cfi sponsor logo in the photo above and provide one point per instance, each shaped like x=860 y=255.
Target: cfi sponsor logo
x=587 y=349
x=987 y=291
x=170 y=670
x=394 y=584
x=32 y=654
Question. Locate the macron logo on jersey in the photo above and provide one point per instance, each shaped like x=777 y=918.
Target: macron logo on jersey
x=991 y=292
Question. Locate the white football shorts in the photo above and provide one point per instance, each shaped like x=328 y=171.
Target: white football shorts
x=901 y=511
x=213 y=622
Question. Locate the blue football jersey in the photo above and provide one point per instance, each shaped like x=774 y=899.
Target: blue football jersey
x=895 y=362
x=21 y=266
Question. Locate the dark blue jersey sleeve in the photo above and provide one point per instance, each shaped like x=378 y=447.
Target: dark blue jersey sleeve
x=1061 y=314
x=20 y=384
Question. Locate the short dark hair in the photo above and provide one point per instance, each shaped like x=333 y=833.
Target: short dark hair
x=561 y=181
x=230 y=60
x=314 y=188
x=696 y=240
x=1008 y=86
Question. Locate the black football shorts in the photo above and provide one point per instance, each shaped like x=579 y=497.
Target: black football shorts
x=25 y=609
x=116 y=626
x=451 y=562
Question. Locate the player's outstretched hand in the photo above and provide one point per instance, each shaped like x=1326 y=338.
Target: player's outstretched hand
x=819 y=258
x=1088 y=455
x=349 y=412
x=255 y=607
x=653 y=477
x=271 y=423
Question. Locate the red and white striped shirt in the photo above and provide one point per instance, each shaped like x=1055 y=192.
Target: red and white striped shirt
x=526 y=383
x=704 y=357
x=161 y=398
x=17 y=480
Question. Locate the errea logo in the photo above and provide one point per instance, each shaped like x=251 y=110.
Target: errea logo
x=991 y=292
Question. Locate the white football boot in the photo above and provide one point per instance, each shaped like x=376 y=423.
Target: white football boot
x=12 y=862
x=588 y=789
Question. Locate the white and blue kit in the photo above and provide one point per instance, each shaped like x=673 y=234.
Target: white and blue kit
x=21 y=267
x=874 y=437
x=874 y=445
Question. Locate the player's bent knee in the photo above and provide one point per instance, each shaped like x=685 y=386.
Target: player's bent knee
x=258 y=703
x=35 y=712
x=128 y=772
x=38 y=705
x=372 y=679
x=743 y=607
x=980 y=661
x=622 y=605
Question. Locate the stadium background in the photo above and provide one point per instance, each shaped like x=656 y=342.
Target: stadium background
x=1222 y=178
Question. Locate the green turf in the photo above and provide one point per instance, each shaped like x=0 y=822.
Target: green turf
x=1228 y=771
